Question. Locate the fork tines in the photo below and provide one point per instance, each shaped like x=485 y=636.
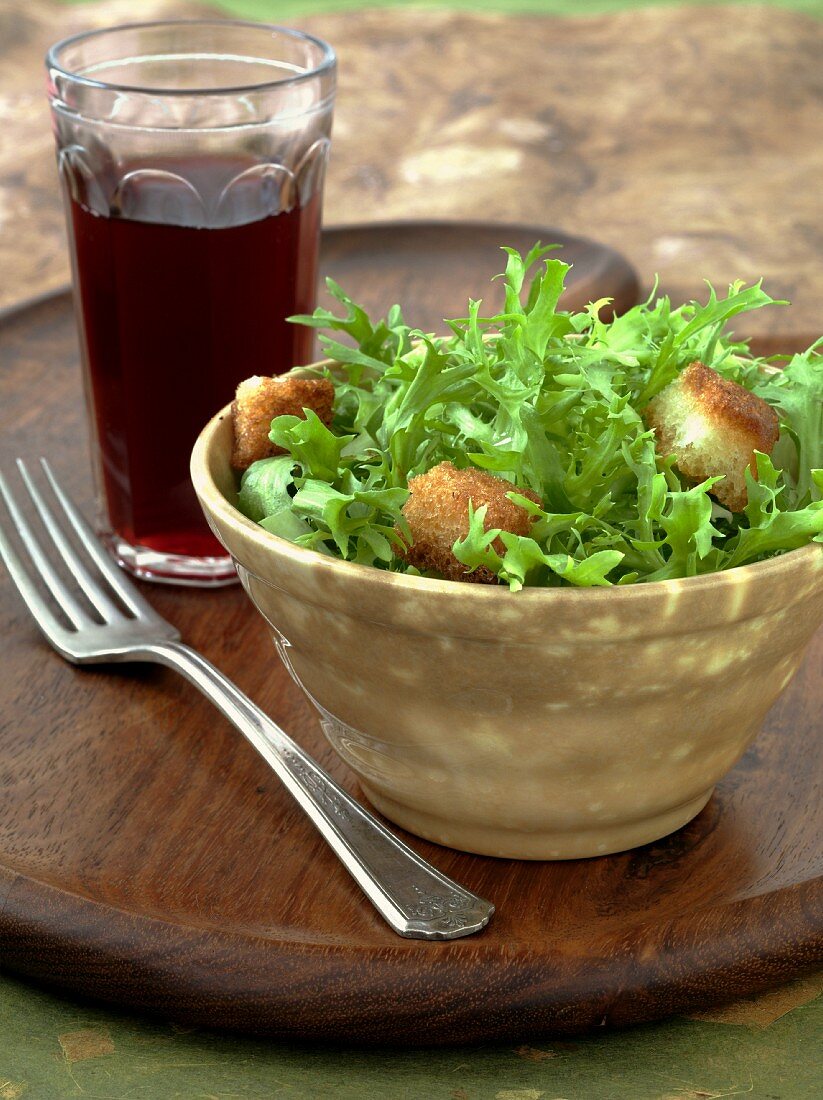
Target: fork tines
x=83 y=581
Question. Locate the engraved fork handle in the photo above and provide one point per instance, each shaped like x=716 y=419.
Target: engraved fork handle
x=412 y=896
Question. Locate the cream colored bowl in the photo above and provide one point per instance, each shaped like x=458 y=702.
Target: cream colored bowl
x=550 y=724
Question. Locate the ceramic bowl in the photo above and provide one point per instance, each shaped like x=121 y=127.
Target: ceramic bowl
x=547 y=724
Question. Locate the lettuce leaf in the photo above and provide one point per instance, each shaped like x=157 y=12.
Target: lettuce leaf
x=552 y=401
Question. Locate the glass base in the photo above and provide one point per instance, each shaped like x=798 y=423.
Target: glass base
x=181 y=569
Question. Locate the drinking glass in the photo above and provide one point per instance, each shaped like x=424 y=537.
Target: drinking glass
x=191 y=157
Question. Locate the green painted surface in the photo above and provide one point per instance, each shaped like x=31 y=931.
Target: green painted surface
x=677 y=1060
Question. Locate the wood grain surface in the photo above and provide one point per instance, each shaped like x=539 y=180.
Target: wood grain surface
x=148 y=857
x=432 y=268
x=690 y=139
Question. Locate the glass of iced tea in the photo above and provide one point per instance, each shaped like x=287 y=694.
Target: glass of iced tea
x=192 y=157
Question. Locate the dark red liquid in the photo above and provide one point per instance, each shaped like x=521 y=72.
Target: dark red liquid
x=174 y=318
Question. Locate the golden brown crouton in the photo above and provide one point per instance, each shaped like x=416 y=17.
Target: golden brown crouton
x=437 y=513
x=260 y=400
x=713 y=426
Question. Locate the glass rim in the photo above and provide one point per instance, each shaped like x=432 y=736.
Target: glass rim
x=326 y=63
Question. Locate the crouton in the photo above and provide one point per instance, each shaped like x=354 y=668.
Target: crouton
x=437 y=513
x=260 y=400
x=713 y=426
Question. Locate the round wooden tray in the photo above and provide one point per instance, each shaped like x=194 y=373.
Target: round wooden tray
x=149 y=858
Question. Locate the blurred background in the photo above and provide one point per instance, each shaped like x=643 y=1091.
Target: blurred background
x=689 y=136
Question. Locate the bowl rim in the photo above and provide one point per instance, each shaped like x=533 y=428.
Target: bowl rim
x=212 y=499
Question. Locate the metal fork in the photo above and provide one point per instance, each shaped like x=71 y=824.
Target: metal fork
x=117 y=624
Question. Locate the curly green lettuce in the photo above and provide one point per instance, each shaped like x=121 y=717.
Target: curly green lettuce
x=549 y=400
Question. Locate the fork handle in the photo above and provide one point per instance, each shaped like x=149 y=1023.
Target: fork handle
x=413 y=897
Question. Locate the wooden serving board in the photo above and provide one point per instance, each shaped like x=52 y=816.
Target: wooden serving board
x=149 y=858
